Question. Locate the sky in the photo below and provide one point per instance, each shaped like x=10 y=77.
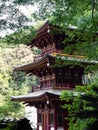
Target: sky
x=28 y=10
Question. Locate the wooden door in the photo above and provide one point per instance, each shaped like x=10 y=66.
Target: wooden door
x=45 y=121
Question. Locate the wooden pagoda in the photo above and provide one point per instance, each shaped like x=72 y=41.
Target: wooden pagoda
x=52 y=80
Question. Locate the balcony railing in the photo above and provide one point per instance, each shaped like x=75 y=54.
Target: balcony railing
x=54 y=86
x=48 y=51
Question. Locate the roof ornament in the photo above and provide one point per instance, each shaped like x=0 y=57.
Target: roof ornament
x=48 y=64
x=48 y=30
x=47 y=102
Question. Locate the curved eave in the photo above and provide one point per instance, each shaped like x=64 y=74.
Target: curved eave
x=35 y=64
x=44 y=27
x=41 y=32
x=47 y=58
x=38 y=95
x=44 y=31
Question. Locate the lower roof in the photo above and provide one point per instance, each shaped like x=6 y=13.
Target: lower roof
x=38 y=95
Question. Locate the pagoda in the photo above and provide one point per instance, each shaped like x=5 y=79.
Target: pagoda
x=52 y=79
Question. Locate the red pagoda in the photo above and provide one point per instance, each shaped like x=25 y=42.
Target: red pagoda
x=52 y=80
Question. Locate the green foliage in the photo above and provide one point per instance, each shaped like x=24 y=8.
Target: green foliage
x=21 y=37
x=80 y=124
x=61 y=12
x=13 y=83
x=81 y=17
x=66 y=12
x=82 y=105
x=10 y=126
x=80 y=14
x=12 y=18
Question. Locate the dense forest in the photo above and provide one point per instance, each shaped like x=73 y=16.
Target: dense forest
x=12 y=83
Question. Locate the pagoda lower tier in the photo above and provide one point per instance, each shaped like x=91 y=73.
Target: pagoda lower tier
x=50 y=114
x=45 y=96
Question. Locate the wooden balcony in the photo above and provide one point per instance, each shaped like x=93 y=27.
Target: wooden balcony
x=53 y=86
x=48 y=50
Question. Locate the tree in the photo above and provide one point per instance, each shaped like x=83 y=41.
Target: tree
x=23 y=36
x=11 y=18
x=13 y=83
x=80 y=15
x=63 y=13
x=83 y=106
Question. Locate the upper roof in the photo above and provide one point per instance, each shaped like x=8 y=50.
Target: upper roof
x=44 y=31
x=44 y=28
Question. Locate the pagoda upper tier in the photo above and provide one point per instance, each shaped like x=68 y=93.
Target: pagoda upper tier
x=49 y=39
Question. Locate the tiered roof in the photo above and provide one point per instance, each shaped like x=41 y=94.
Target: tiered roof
x=44 y=95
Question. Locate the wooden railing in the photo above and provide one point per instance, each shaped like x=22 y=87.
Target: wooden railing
x=52 y=51
x=63 y=86
x=54 y=86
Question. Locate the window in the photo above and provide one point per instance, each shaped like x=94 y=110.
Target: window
x=52 y=82
x=51 y=118
x=77 y=78
x=39 y=118
x=59 y=76
x=59 y=119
